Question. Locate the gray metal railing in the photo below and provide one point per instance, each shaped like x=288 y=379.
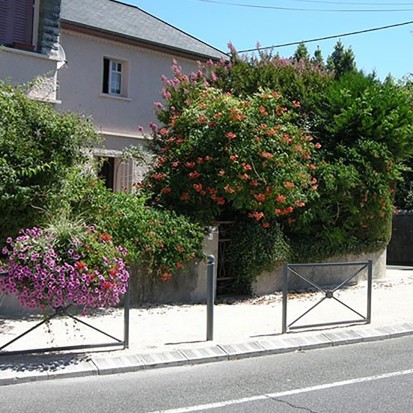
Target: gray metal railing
x=328 y=293
x=64 y=311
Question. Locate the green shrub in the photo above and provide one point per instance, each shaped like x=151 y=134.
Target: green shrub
x=365 y=127
x=357 y=107
x=252 y=250
x=38 y=147
x=157 y=237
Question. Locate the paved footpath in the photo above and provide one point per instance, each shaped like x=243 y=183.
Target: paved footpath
x=173 y=335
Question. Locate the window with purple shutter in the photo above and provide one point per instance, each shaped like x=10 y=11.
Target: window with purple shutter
x=16 y=23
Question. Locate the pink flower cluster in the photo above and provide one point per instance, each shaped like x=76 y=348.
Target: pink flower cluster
x=44 y=271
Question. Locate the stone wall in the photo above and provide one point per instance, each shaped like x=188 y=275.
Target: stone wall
x=49 y=27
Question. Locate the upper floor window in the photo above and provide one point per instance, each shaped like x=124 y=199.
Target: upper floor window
x=114 y=77
x=16 y=23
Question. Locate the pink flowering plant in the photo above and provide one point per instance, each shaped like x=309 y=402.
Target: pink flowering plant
x=222 y=153
x=51 y=269
x=247 y=158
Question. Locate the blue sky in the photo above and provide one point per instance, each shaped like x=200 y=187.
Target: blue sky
x=385 y=51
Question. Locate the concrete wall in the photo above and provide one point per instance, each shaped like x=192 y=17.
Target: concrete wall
x=19 y=66
x=189 y=285
x=269 y=282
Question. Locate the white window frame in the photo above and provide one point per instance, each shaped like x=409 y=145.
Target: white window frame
x=115 y=77
x=124 y=175
x=112 y=68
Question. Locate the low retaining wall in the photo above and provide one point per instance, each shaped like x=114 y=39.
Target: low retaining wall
x=269 y=282
x=191 y=285
x=185 y=286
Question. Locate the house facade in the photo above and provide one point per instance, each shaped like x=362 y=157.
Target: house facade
x=100 y=58
x=30 y=51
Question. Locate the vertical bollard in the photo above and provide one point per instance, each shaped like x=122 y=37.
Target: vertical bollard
x=369 y=292
x=285 y=295
x=210 y=296
x=126 y=315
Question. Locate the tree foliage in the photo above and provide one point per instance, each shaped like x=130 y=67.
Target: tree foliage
x=342 y=60
x=363 y=125
x=38 y=147
x=301 y=53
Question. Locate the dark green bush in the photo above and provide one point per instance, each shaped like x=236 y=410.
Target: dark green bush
x=38 y=147
x=254 y=249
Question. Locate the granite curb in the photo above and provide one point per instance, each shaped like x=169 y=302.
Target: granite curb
x=51 y=366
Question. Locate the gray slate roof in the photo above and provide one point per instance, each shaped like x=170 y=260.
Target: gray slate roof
x=131 y=22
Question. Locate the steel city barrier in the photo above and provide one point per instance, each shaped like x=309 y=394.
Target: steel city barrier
x=329 y=293
x=64 y=311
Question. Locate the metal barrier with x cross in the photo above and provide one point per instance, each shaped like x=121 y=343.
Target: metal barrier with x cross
x=65 y=312
x=328 y=293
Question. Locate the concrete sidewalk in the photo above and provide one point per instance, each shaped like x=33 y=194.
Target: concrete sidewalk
x=172 y=335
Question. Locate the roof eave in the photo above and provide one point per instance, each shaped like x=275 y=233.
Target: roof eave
x=107 y=34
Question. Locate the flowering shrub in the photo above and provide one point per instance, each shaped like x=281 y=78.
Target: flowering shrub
x=159 y=238
x=155 y=237
x=222 y=153
x=365 y=128
x=80 y=267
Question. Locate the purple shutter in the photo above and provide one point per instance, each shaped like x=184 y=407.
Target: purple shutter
x=5 y=25
x=16 y=22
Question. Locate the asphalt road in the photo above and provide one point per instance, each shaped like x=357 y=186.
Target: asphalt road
x=361 y=378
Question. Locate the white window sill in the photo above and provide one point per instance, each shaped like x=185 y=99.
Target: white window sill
x=52 y=101
x=31 y=53
x=115 y=97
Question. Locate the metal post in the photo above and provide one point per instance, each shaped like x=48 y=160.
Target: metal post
x=210 y=296
x=126 y=315
x=369 y=288
x=285 y=295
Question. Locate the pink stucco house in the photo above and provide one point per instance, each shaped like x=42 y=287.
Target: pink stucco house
x=101 y=58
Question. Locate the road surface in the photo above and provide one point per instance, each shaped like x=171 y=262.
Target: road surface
x=367 y=377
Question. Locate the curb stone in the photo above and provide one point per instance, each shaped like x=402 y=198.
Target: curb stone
x=94 y=366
